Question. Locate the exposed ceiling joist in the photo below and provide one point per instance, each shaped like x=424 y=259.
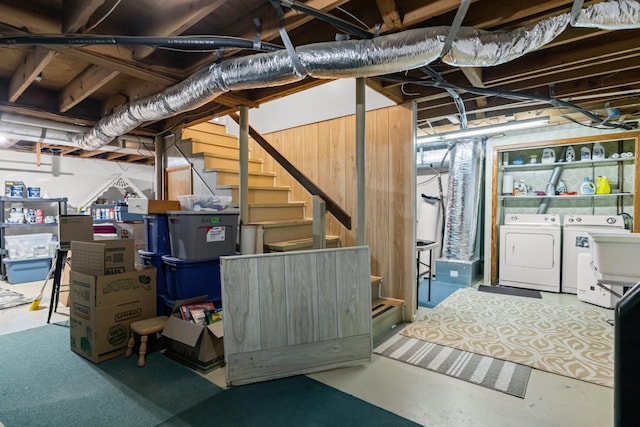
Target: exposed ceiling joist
x=76 y=14
x=29 y=70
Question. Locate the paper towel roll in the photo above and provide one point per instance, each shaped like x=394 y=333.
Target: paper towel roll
x=507 y=184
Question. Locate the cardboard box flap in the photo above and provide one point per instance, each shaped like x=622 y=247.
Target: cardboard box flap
x=217 y=329
x=185 y=332
x=179 y=303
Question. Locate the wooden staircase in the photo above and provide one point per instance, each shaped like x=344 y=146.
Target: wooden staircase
x=284 y=222
x=385 y=312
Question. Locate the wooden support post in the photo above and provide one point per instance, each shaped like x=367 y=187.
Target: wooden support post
x=319 y=221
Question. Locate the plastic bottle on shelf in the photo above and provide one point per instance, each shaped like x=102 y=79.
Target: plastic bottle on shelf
x=598 y=151
x=561 y=187
x=571 y=154
x=587 y=186
x=585 y=153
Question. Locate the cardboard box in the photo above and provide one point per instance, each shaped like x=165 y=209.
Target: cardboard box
x=15 y=189
x=74 y=227
x=135 y=231
x=146 y=206
x=194 y=343
x=103 y=257
x=101 y=333
x=101 y=291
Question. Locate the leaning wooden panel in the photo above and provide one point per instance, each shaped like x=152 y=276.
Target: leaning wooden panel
x=327 y=295
x=352 y=289
x=272 y=291
x=240 y=302
x=308 y=295
x=301 y=298
x=265 y=365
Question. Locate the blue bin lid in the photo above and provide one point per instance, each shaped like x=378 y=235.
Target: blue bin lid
x=168 y=259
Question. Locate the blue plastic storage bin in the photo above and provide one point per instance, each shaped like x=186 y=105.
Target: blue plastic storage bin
x=188 y=278
x=28 y=269
x=155 y=260
x=157 y=234
x=122 y=214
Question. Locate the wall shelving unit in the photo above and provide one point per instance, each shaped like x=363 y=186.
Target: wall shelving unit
x=50 y=206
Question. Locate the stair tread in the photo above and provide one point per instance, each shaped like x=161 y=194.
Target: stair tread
x=218 y=144
x=276 y=205
x=298 y=242
x=375 y=279
x=210 y=170
x=212 y=128
x=222 y=156
x=386 y=302
x=284 y=222
x=253 y=187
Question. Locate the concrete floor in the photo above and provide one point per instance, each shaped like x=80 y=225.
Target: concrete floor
x=428 y=398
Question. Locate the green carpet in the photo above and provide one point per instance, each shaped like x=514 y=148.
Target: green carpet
x=45 y=384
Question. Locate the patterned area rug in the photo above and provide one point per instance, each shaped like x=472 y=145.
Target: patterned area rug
x=495 y=374
x=9 y=298
x=568 y=340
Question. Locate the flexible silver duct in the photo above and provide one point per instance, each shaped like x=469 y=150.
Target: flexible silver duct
x=610 y=15
x=463 y=201
x=352 y=58
x=477 y=48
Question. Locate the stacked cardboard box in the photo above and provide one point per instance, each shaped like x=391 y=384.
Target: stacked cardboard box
x=107 y=292
x=200 y=347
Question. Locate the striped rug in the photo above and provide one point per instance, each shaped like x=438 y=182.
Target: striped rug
x=485 y=371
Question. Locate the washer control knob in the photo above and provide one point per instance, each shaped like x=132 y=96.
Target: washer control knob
x=578 y=219
x=570 y=219
x=611 y=220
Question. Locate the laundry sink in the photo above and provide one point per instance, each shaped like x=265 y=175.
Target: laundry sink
x=616 y=256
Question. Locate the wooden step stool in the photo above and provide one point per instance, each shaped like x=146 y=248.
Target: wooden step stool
x=144 y=328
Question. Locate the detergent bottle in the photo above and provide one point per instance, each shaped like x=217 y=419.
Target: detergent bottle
x=587 y=186
x=602 y=185
x=598 y=151
x=570 y=154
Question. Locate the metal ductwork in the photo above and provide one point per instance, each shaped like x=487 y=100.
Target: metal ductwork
x=352 y=58
x=463 y=200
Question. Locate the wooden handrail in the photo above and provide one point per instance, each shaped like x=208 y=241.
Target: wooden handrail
x=333 y=208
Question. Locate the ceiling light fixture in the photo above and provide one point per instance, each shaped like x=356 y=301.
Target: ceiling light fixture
x=484 y=130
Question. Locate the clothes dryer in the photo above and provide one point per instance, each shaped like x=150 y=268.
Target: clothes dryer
x=575 y=240
x=530 y=251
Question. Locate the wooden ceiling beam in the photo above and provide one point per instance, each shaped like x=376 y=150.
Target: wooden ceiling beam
x=31 y=67
x=76 y=14
x=390 y=15
x=395 y=94
x=270 y=26
x=90 y=80
x=176 y=21
x=29 y=21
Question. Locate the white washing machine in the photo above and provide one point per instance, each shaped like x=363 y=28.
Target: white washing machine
x=576 y=242
x=530 y=251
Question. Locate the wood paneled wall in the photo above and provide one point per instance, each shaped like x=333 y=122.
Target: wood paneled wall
x=325 y=152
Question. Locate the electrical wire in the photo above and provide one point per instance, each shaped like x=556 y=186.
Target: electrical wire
x=104 y=16
x=175 y=42
x=399 y=78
